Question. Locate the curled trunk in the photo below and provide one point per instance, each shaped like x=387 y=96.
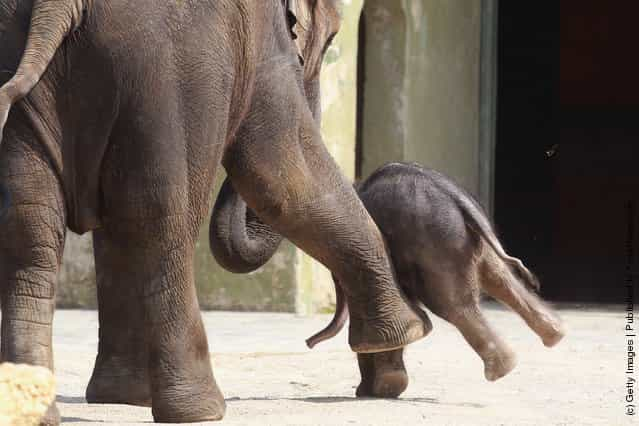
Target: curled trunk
x=240 y=242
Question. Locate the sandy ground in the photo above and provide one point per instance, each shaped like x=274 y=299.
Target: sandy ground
x=270 y=378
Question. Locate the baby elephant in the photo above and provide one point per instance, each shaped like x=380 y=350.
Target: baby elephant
x=444 y=252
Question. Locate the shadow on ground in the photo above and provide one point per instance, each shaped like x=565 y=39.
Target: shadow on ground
x=340 y=399
x=71 y=399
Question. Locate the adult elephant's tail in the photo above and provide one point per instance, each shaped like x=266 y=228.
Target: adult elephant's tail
x=51 y=21
x=240 y=242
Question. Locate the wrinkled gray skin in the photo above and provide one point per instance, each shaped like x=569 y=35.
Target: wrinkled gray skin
x=445 y=253
x=114 y=119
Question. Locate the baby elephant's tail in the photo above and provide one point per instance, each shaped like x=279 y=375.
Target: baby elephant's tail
x=477 y=221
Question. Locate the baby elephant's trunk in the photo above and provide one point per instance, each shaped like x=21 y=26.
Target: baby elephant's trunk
x=338 y=321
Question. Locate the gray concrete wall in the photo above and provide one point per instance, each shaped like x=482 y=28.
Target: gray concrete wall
x=385 y=119
x=422 y=87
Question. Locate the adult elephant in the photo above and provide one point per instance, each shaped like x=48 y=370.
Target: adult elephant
x=120 y=112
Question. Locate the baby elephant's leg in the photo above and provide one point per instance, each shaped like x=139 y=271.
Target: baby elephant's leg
x=383 y=374
x=498 y=358
x=499 y=282
x=453 y=296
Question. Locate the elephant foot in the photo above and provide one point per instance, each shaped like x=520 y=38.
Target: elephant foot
x=118 y=391
x=499 y=364
x=117 y=382
x=51 y=417
x=388 y=334
x=189 y=403
x=383 y=375
x=553 y=332
x=552 y=339
x=390 y=384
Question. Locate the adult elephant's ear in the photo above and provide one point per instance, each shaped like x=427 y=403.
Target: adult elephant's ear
x=313 y=24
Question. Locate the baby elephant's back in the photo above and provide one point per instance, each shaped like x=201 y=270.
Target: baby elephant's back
x=415 y=210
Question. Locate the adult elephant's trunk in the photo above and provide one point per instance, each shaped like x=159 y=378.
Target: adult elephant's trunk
x=338 y=321
x=239 y=241
x=51 y=21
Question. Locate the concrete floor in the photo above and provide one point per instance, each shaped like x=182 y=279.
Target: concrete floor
x=270 y=378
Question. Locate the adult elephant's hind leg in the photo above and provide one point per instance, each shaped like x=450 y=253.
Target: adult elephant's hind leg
x=120 y=374
x=31 y=244
x=159 y=243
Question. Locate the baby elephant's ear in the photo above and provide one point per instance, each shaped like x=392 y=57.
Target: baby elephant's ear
x=300 y=20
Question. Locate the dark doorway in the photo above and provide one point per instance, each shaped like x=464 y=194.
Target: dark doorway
x=566 y=178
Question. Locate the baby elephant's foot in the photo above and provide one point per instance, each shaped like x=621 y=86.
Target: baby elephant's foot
x=498 y=362
x=119 y=381
x=383 y=374
x=553 y=331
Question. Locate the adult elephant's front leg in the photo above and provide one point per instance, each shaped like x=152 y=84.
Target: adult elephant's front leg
x=120 y=375
x=280 y=166
x=383 y=374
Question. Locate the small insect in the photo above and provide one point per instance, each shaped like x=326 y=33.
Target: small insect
x=552 y=151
